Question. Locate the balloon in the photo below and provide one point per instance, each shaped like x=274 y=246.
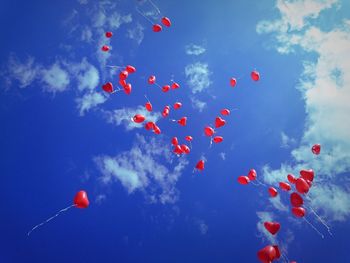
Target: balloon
x=243 y=179
x=188 y=138
x=174 y=141
x=200 y=165
x=151 y=79
x=127 y=88
x=298 y=211
x=122 y=82
x=123 y=75
x=175 y=85
x=185 y=148
x=255 y=75
x=296 y=200
x=166 y=21
x=302 y=186
x=267 y=254
x=225 y=112
x=157 y=28
x=316 y=149
x=208 y=131
x=278 y=252
x=252 y=174
x=218 y=139
x=165 y=112
x=291 y=178
x=233 y=82
x=156 y=129
x=177 y=105
x=105 y=48
x=166 y=88
x=108 y=34
x=81 y=200
x=219 y=122
x=285 y=186
x=108 y=87
x=178 y=149
x=272 y=227
x=307 y=174
x=272 y=191
x=149 y=125
x=130 y=69
x=138 y=118
x=148 y=106
x=182 y=121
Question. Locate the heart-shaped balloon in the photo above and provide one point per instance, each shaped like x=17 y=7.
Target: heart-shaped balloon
x=307 y=174
x=296 y=200
x=316 y=149
x=182 y=121
x=302 y=186
x=200 y=165
x=157 y=28
x=127 y=89
x=272 y=227
x=108 y=87
x=81 y=200
x=219 y=122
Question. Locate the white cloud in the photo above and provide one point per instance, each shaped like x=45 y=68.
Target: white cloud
x=55 y=79
x=194 y=49
x=223 y=155
x=198 y=104
x=87 y=75
x=286 y=141
x=198 y=76
x=143 y=168
x=136 y=33
x=89 y=101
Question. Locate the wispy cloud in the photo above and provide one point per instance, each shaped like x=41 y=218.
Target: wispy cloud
x=136 y=33
x=198 y=76
x=195 y=50
x=55 y=79
x=286 y=141
x=87 y=76
x=89 y=101
x=198 y=104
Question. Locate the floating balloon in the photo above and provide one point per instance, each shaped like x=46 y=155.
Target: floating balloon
x=278 y=252
x=267 y=254
x=138 y=118
x=218 y=139
x=188 y=138
x=291 y=178
x=175 y=85
x=157 y=28
x=243 y=180
x=208 y=131
x=219 y=122
x=200 y=165
x=123 y=75
x=108 y=87
x=307 y=174
x=166 y=21
x=177 y=105
x=122 y=82
x=272 y=227
x=296 y=200
x=127 y=88
x=233 y=82
x=148 y=106
x=182 y=121
x=81 y=200
x=174 y=141
x=255 y=75
x=165 y=112
x=178 y=149
x=285 y=186
x=165 y=88
x=130 y=69
x=272 y=191
x=108 y=34
x=149 y=125
x=302 y=186
x=185 y=148
x=156 y=129
x=225 y=112
x=316 y=149
x=105 y=48
x=151 y=79
x=252 y=174
x=298 y=211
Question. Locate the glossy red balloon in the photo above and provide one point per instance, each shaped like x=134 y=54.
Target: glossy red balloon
x=175 y=85
x=219 y=122
x=108 y=87
x=105 y=48
x=127 y=89
x=233 y=82
x=177 y=105
x=285 y=186
x=291 y=178
x=208 y=131
x=307 y=174
x=165 y=88
x=252 y=174
x=298 y=211
x=122 y=82
x=108 y=34
x=255 y=75
x=178 y=149
x=225 y=112
x=130 y=69
x=278 y=252
x=272 y=191
x=185 y=149
x=157 y=28
x=188 y=138
x=316 y=149
x=302 y=186
x=267 y=254
x=166 y=21
x=156 y=129
x=81 y=200
x=243 y=180
x=123 y=75
x=272 y=227
x=149 y=125
x=174 y=141
x=138 y=118
x=151 y=79
x=182 y=121
x=218 y=139
x=165 y=112
x=148 y=106
x=200 y=165
x=296 y=200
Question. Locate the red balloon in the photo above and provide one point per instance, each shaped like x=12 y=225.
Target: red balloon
x=302 y=186
x=272 y=227
x=148 y=106
x=272 y=191
x=307 y=174
x=296 y=200
x=178 y=149
x=81 y=200
x=130 y=69
x=156 y=129
x=255 y=75
x=188 y=138
x=105 y=48
x=200 y=165
x=182 y=121
x=123 y=75
x=177 y=105
x=219 y=122
x=278 y=252
x=166 y=21
x=127 y=88
x=151 y=79
x=108 y=34
x=138 y=118
x=291 y=178
x=298 y=211
x=174 y=141
x=252 y=174
x=165 y=112
x=225 y=112
x=218 y=139
x=285 y=186
x=149 y=125
x=122 y=82
x=185 y=148
x=108 y=87
x=267 y=254
x=175 y=85
x=243 y=179
x=233 y=82
x=316 y=149
x=166 y=88
x=208 y=131
x=157 y=28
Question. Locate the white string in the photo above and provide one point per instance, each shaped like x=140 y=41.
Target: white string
x=321 y=220
x=48 y=220
x=318 y=232
x=138 y=11
x=156 y=7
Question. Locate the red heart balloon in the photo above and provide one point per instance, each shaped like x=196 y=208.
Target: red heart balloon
x=273 y=192
x=296 y=200
x=200 y=165
x=219 y=122
x=81 y=200
x=302 y=186
x=182 y=121
x=307 y=174
x=272 y=227
x=316 y=149
x=267 y=254
x=108 y=87
x=157 y=28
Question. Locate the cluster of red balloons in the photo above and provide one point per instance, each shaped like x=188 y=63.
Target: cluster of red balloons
x=123 y=75
x=255 y=76
x=165 y=21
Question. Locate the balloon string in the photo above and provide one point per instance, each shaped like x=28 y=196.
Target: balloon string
x=321 y=220
x=147 y=98
x=261 y=183
x=154 y=5
x=109 y=66
x=138 y=11
x=318 y=232
x=157 y=85
x=48 y=220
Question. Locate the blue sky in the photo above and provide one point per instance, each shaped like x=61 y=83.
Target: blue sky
x=60 y=133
